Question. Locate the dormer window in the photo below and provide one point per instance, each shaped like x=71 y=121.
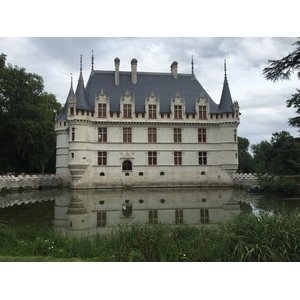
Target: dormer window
x=178 y=111
x=102 y=104
x=152 y=111
x=202 y=112
x=101 y=110
x=127 y=111
x=178 y=106
x=152 y=106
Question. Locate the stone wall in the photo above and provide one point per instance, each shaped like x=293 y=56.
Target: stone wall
x=29 y=181
x=245 y=179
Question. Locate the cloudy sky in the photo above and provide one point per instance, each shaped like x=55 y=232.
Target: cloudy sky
x=56 y=54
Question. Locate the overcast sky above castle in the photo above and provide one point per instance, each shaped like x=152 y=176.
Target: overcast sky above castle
x=262 y=103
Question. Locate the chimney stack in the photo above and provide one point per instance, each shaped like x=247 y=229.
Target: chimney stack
x=134 y=71
x=174 y=69
x=117 y=73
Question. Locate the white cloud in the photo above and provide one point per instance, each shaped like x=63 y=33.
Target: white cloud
x=262 y=103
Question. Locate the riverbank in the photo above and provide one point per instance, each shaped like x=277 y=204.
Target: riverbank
x=246 y=237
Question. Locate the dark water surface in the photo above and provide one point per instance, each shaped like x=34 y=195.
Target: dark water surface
x=91 y=211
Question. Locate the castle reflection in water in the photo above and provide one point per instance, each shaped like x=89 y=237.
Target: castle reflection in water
x=100 y=211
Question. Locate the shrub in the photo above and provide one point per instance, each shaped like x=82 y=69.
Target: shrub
x=285 y=186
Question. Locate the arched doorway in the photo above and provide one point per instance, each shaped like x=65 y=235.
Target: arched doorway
x=127 y=165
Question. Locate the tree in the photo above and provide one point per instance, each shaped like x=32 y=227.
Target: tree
x=245 y=158
x=281 y=70
x=285 y=154
x=261 y=156
x=27 y=118
x=281 y=156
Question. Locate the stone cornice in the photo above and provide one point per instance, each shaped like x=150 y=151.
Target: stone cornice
x=163 y=124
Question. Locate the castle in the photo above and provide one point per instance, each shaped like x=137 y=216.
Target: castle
x=145 y=129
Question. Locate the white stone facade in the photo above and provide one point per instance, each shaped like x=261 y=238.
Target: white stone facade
x=103 y=148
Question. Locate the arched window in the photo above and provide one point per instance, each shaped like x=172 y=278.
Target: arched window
x=127 y=166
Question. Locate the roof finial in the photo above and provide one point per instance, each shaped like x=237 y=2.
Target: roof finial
x=192 y=65
x=92 y=60
x=71 y=80
x=225 y=68
x=81 y=65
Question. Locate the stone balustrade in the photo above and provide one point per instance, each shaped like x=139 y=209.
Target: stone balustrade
x=29 y=181
x=245 y=179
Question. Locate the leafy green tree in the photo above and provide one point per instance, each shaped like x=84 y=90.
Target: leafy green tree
x=261 y=156
x=245 y=159
x=281 y=156
x=282 y=69
x=27 y=118
x=285 y=154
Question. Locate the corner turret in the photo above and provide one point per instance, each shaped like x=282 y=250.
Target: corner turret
x=226 y=100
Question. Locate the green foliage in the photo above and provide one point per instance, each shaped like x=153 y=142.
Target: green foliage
x=281 y=156
x=27 y=118
x=284 y=186
x=245 y=159
x=246 y=237
x=282 y=69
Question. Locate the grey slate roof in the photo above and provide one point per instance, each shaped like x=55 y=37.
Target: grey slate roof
x=63 y=115
x=164 y=85
x=226 y=100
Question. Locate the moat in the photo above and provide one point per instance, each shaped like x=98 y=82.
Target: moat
x=100 y=211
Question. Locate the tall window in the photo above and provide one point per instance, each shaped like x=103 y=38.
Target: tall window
x=177 y=158
x=127 y=110
x=101 y=110
x=72 y=111
x=234 y=135
x=202 y=112
x=101 y=219
x=203 y=158
x=151 y=135
x=153 y=216
x=202 y=135
x=152 y=111
x=204 y=216
x=127 y=135
x=73 y=134
x=177 y=111
x=102 y=158
x=179 y=216
x=152 y=158
x=102 y=135
x=177 y=135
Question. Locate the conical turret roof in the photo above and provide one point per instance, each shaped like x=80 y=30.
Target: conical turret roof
x=226 y=100
x=81 y=98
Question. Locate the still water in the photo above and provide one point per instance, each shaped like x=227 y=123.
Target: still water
x=101 y=211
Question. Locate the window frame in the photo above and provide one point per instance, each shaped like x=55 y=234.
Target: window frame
x=127 y=135
x=102 y=110
x=152 y=135
x=152 y=111
x=177 y=111
x=177 y=158
x=177 y=135
x=102 y=136
x=202 y=158
x=152 y=158
x=202 y=136
x=127 y=111
x=102 y=158
x=202 y=112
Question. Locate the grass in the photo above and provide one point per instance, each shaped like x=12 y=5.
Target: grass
x=245 y=238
